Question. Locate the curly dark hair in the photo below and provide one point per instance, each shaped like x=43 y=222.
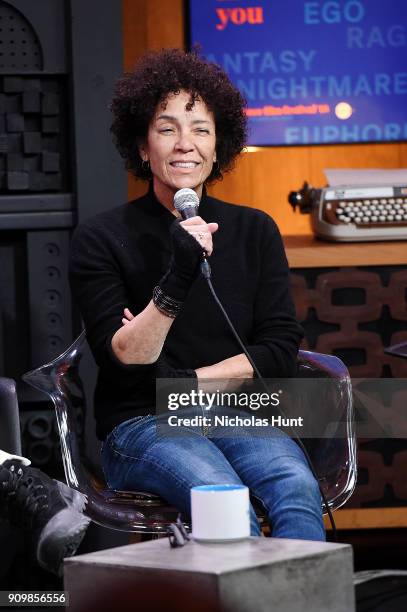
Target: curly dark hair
x=158 y=74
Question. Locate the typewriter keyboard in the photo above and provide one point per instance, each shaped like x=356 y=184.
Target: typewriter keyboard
x=383 y=211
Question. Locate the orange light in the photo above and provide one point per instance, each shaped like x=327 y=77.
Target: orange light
x=343 y=110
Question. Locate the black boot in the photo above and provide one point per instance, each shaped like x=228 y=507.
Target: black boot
x=48 y=510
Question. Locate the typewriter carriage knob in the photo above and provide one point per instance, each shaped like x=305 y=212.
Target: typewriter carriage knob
x=306 y=198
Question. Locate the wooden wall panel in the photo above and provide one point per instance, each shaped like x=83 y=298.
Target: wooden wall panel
x=135 y=32
x=165 y=23
x=351 y=156
x=262 y=178
x=151 y=24
x=403 y=155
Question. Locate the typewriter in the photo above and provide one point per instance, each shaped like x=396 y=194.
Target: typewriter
x=354 y=214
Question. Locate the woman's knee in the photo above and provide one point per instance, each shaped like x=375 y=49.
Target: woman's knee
x=301 y=485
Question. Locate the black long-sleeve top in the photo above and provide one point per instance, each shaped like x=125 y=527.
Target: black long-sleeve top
x=117 y=258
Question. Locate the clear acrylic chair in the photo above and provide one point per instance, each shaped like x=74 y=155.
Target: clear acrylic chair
x=142 y=512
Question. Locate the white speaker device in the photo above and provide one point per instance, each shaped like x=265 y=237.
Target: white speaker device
x=220 y=513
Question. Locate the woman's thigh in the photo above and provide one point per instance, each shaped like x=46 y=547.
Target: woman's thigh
x=245 y=446
x=136 y=455
x=271 y=464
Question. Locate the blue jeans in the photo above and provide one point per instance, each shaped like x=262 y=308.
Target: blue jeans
x=136 y=455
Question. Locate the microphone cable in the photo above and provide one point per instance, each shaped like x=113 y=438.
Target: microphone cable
x=206 y=273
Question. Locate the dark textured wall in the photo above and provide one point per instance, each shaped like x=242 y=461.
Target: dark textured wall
x=354 y=313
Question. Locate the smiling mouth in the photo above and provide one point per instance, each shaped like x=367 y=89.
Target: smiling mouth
x=184 y=164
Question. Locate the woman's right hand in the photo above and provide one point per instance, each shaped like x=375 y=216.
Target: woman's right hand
x=201 y=231
x=189 y=239
x=131 y=344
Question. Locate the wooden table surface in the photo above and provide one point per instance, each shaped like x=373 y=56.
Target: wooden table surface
x=310 y=252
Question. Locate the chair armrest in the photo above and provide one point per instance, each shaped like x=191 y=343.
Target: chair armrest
x=319 y=365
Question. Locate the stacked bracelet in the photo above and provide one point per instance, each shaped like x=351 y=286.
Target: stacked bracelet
x=166 y=304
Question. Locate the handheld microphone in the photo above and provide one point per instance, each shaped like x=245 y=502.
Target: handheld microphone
x=186 y=203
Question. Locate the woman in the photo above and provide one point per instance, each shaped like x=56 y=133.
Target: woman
x=179 y=122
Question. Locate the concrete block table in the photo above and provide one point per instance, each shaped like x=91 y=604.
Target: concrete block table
x=254 y=575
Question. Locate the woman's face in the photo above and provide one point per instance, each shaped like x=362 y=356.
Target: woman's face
x=180 y=145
